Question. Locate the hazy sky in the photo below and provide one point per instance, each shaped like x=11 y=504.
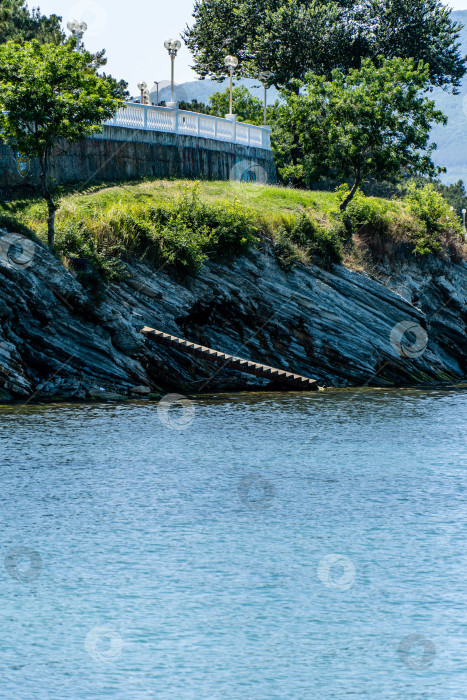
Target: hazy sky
x=133 y=34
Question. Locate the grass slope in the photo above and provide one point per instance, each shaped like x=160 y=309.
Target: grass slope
x=271 y=205
x=178 y=224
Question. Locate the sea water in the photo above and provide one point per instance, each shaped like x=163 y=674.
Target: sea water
x=254 y=546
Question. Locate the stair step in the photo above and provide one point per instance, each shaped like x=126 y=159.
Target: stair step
x=243 y=365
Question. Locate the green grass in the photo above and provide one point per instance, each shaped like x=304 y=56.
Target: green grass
x=271 y=204
x=179 y=224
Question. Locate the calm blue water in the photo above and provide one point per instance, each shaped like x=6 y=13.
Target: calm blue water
x=279 y=546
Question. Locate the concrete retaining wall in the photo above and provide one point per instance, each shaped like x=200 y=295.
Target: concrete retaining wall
x=119 y=154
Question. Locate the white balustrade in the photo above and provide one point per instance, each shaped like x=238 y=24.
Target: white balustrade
x=148 y=118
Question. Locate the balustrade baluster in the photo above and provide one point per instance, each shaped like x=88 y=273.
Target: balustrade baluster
x=149 y=118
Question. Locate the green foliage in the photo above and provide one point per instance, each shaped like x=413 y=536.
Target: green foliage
x=132 y=221
x=367 y=214
x=321 y=245
x=178 y=235
x=435 y=215
x=372 y=122
x=56 y=89
x=98 y=269
x=287 y=254
x=53 y=87
x=423 y=219
x=118 y=88
x=454 y=194
x=193 y=106
x=161 y=236
x=292 y=37
x=19 y=24
x=247 y=108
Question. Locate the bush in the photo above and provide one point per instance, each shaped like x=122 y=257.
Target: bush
x=323 y=246
x=366 y=214
x=99 y=270
x=178 y=235
x=423 y=220
x=439 y=225
x=286 y=252
x=216 y=231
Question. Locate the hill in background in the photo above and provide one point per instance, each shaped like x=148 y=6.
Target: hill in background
x=201 y=90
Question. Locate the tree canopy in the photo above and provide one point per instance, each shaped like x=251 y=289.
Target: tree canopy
x=50 y=92
x=247 y=107
x=293 y=37
x=19 y=24
x=372 y=122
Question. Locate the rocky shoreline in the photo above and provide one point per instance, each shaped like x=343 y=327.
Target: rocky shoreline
x=408 y=326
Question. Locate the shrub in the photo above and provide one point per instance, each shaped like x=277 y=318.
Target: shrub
x=322 y=245
x=225 y=230
x=99 y=270
x=179 y=235
x=423 y=220
x=439 y=225
x=366 y=214
x=286 y=252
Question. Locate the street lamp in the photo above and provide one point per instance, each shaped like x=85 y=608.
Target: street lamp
x=464 y=212
x=156 y=83
x=231 y=62
x=77 y=29
x=265 y=77
x=142 y=86
x=172 y=46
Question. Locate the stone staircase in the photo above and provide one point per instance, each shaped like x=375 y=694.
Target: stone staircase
x=279 y=376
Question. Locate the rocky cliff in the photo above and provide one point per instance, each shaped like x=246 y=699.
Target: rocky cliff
x=341 y=327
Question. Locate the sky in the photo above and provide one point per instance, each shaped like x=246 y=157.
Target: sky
x=133 y=34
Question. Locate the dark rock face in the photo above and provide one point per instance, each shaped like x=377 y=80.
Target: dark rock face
x=341 y=327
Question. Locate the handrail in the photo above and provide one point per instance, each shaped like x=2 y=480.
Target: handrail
x=177 y=121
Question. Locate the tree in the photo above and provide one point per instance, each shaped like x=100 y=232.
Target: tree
x=118 y=88
x=374 y=122
x=50 y=92
x=293 y=37
x=194 y=106
x=19 y=24
x=245 y=106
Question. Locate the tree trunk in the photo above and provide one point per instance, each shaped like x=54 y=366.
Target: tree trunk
x=351 y=193
x=51 y=207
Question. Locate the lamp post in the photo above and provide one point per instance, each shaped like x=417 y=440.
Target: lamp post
x=77 y=29
x=172 y=46
x=464 y=212
x=231 y=62
x=142 y=86
x=156 y=83
x=265 y=77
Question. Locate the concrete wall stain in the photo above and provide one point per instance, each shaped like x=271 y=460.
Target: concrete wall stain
x=121 y=154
